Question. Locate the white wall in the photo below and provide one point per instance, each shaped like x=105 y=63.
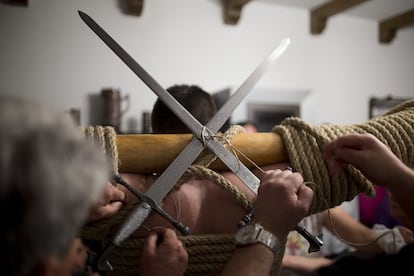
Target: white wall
x=46 y=51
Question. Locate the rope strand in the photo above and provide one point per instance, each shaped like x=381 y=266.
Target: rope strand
x=303 y=143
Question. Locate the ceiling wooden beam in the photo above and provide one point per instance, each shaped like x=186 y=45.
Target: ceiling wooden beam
x=133 y=7
x=388 y=28
x=16 y=2
x=232 y=10
x=320 y=14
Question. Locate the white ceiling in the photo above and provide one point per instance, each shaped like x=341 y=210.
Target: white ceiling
x=373 y=10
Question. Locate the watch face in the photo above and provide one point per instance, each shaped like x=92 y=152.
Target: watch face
x=246 y=233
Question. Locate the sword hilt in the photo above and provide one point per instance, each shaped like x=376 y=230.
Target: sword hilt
x=99 y=263
x=315 y=242
x=153 y=205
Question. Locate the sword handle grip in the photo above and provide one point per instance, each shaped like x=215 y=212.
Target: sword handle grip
x=132 y=223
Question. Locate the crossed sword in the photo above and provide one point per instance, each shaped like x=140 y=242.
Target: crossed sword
x=203 y=136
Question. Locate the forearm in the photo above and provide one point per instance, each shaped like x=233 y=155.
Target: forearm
x=303 y=264
x=259 y=242
x=351 y=231
x=402 y=190
x=249 y=260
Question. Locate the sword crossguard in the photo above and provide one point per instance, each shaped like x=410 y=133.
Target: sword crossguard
x=99 y=262
x=194 y=148
x=153 y=205
x=315 y=242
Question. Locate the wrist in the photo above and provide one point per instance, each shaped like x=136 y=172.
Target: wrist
x=256 y=234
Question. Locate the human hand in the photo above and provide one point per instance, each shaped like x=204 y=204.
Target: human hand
x=304 y=265
x=163 y=254
x=112 y=200
x=368 y=154
x=282 y=202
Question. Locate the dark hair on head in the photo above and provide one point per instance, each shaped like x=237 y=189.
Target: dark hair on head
x=246 y=122
x=197 y=101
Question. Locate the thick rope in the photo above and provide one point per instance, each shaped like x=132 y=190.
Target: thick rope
x=209 y=253
x=207 y=157
x=201 y=171
x=304 y=143
x=105 y=138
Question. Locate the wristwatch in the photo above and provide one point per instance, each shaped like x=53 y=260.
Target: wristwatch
x=254 y=234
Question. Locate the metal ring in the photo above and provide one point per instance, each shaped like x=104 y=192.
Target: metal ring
x=289 y=168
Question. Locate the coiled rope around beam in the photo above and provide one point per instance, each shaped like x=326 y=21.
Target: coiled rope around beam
x=304 y=142
x=209 y=253
x=105 y=138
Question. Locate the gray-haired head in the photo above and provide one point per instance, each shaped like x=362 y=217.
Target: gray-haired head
x=49 y=178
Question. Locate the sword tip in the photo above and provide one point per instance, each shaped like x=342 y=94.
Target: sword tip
x=82 y=14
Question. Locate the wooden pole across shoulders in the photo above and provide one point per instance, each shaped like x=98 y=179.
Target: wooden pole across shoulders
x=152 y=153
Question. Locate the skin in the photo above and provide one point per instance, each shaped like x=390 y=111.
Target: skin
x=401 y=216
x=377 y=162
x=195 y=198
x=112 y=200
x=250 y=128
x=163 y=254
x=64 y=265
x=303 y=264
x=289 y=198
x=354 y=149
x=373 y=159
x=347 y=229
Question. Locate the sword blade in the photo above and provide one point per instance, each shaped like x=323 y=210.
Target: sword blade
x=159 y=189
x=170 y=176
x=244 y=174
x=235 y=165
x=166 y=97
x=167 y=180
x=225 y=111
x=222 y=114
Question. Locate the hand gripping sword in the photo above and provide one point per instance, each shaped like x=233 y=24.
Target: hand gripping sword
x=203 y=136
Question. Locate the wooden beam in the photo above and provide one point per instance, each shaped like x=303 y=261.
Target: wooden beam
x=232 y=10
x=320 y=14
x=134 y=7
x=149 y=153
x=388 y=28
x=24 y=3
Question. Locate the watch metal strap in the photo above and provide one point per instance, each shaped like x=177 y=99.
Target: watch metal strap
x=256 y=234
